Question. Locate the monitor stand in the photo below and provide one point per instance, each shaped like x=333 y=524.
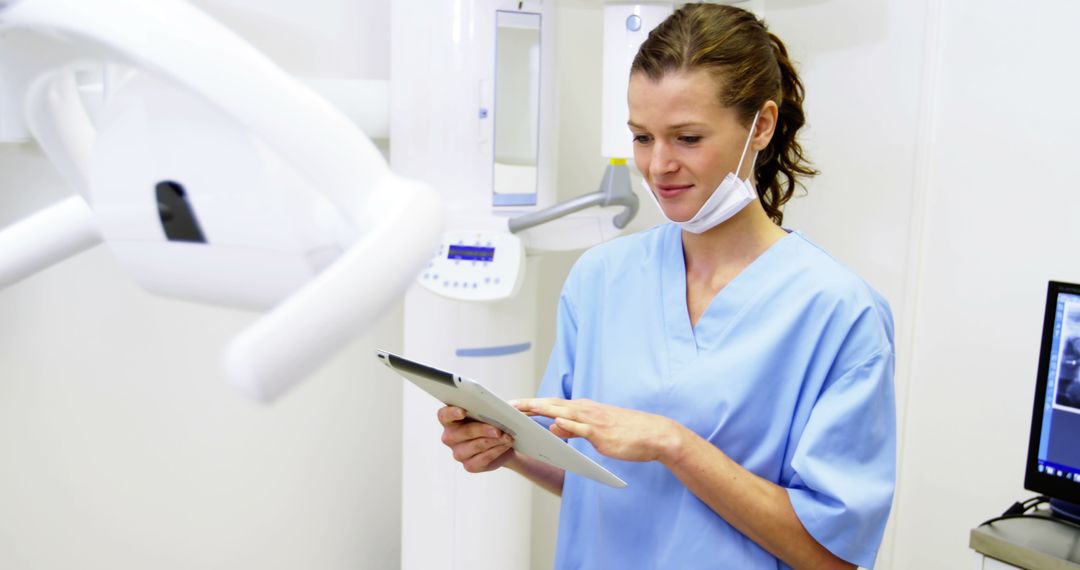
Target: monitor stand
x=1068 y=511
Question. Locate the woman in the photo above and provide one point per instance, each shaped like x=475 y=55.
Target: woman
x=732 y=372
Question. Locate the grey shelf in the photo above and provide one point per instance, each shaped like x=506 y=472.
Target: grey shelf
x=1033 y=542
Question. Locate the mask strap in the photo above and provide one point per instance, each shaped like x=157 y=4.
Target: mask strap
x=746 y=146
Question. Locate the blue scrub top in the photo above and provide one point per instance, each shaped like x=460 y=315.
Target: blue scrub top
x=789 y=371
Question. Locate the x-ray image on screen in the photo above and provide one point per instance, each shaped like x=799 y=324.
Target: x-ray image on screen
x=1067 y=394
x=1068 y=386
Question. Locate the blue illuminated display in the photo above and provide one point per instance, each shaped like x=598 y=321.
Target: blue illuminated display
x=471 y=253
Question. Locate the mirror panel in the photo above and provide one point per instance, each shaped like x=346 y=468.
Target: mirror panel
x=517 y=108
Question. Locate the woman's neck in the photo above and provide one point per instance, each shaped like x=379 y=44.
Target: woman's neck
x=723 y=251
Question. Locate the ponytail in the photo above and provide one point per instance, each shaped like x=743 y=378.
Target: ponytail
x=783 y=161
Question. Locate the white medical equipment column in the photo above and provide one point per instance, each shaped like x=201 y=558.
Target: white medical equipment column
x=451 y=518
x=444 y=105
x=625 y=27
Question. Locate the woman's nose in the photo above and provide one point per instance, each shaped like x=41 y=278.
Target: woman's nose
x=662 y=160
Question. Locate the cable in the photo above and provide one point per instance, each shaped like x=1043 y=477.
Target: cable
x=1021 y=507
x=1033 y=516
x=1019 y=510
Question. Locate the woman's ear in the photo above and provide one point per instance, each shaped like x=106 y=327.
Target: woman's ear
x=766 y=126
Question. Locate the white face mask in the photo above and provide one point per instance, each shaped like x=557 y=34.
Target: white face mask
x=729 y=198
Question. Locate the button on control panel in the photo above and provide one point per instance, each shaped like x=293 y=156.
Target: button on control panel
x=476 y=265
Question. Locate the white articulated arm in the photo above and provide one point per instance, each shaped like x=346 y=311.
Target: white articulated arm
x=311 y=325
x=58 y=120
x=47 y=237
x=66 y=137
x=395 y=223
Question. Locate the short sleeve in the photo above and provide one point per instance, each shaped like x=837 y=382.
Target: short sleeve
x=559 y=375
x=845 y=461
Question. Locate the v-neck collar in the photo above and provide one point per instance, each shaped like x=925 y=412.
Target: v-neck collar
x=685 y=341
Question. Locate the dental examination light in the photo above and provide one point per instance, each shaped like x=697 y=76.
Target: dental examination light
x=212 y=176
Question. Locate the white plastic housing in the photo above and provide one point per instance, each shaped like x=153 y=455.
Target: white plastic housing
x=451 y=518
x=267 y=231
x=476 y=265
x=625 y=27
x=294 y=207
x=442 y=128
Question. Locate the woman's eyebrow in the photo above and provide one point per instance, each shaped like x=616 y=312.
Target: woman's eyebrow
x=634 y=125
x=684 y=125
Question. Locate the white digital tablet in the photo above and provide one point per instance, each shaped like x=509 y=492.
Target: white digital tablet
x=481 y=404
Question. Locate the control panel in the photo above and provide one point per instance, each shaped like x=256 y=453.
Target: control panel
x=476 y=265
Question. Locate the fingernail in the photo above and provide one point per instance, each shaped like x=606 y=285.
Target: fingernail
x=493 y=432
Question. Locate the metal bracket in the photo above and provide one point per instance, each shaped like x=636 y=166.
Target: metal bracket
x=614 y=190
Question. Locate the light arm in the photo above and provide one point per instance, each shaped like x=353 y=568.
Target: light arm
x=47 y=237
x=298 y=335
x=56 y=116
x=391 y=225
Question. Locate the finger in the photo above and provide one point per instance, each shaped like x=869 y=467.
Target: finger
x=488 y=460
x=458 y=432
x=554 y=408
x=575 y=429
x=522 y=406
x=560 y=433
x=450 y=414
x=467 y=450
x=526 y=402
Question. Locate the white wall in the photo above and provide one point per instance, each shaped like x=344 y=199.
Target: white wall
x=123 y=448
x=998 y=225
x=941 y=145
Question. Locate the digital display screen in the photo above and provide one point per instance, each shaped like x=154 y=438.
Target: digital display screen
x=1058 y=453
x=471 y=253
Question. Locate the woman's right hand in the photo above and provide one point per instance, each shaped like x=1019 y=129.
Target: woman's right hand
x=477 y=446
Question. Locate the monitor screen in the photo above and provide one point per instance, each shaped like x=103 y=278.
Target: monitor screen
x=1053 y=466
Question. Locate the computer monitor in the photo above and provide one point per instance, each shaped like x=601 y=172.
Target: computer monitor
x=1053 y=463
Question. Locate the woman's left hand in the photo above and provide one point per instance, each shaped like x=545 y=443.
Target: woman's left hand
x=616 y=432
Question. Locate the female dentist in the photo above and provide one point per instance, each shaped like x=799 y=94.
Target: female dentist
x=736 y=375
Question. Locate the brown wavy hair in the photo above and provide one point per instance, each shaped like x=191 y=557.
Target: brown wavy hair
x=750 y=66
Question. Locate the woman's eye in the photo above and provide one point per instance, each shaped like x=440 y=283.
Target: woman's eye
x=642 y=139
x=690 y=139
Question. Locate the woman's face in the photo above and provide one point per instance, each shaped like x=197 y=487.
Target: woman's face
x=685 y=142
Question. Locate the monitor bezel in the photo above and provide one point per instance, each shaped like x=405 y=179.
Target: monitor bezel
x=1042 y=483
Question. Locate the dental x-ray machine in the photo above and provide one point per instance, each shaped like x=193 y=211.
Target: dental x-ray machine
x=489 y=140
x=212 y=175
